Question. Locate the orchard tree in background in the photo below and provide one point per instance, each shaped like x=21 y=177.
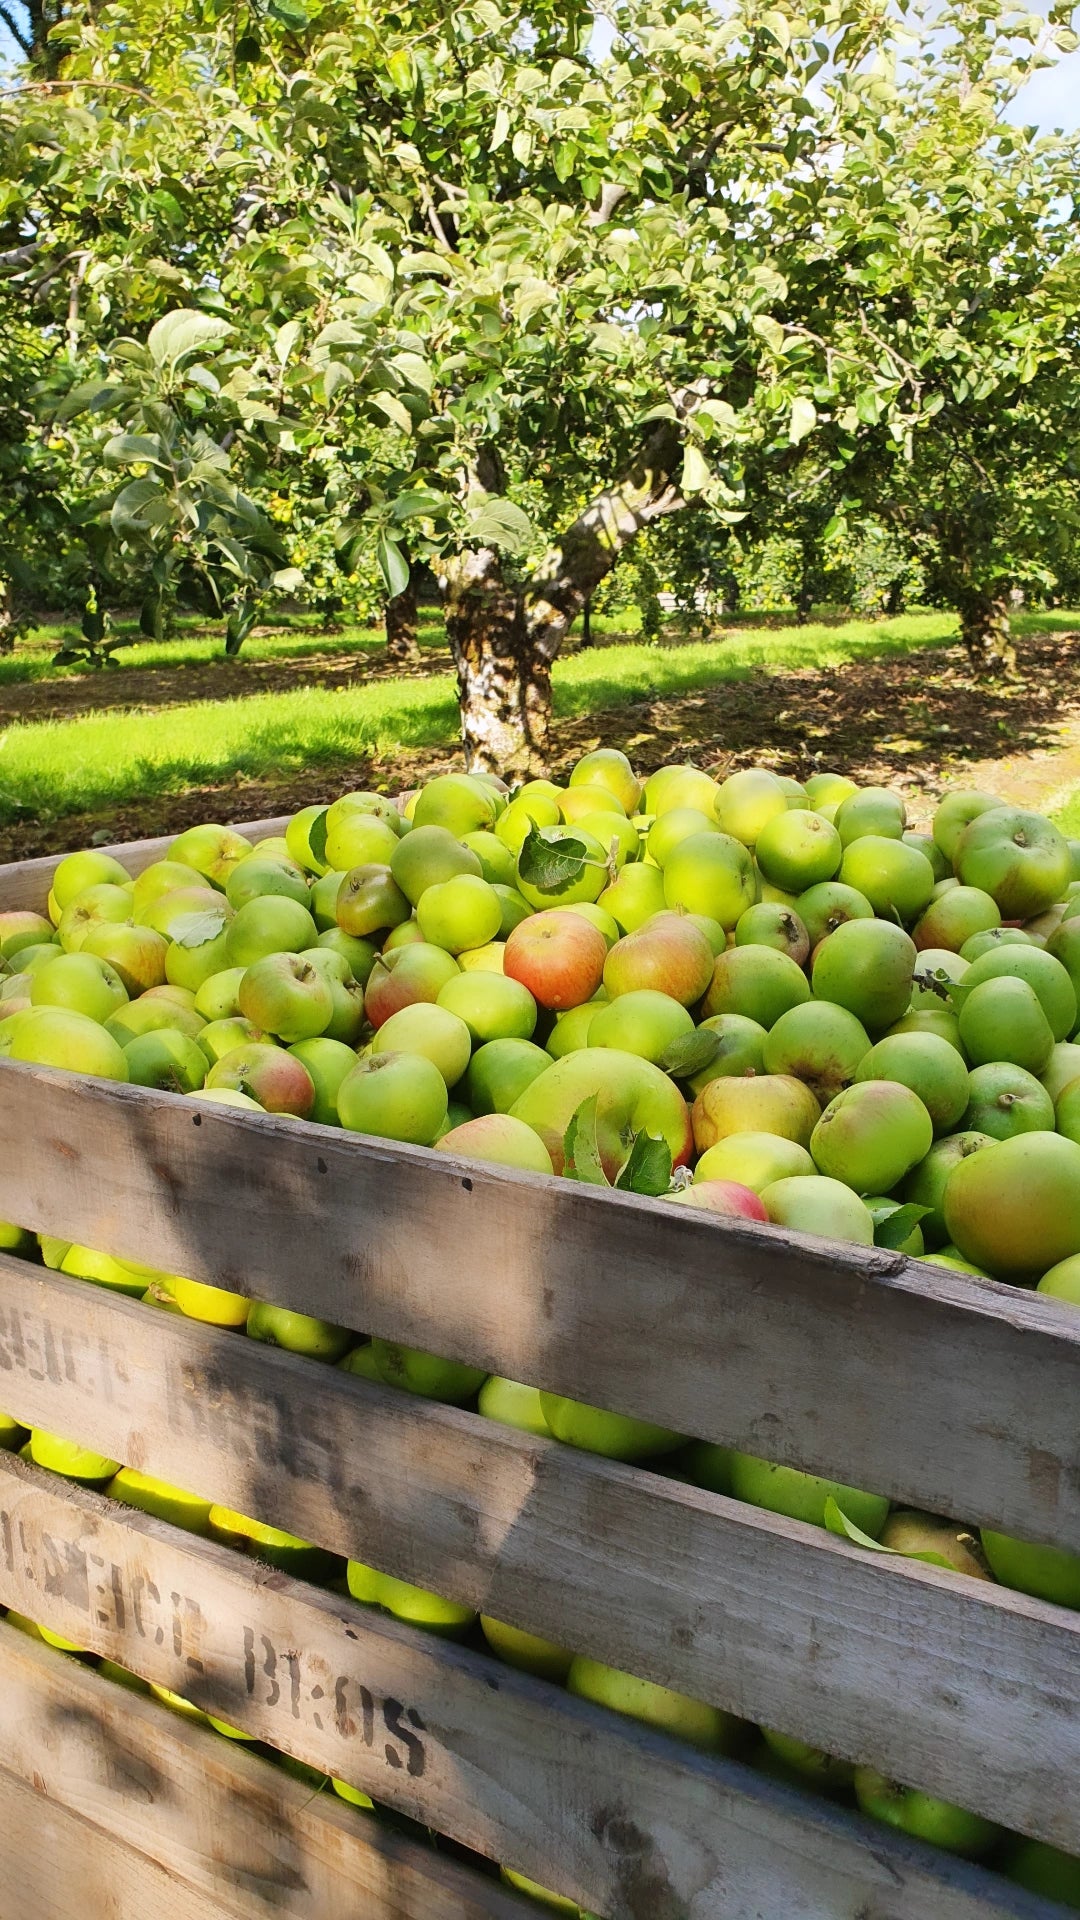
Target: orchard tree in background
x=512 y=300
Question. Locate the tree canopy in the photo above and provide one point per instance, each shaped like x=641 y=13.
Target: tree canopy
x=493 y=290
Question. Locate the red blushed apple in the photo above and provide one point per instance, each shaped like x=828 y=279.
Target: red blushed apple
x=633 y=1097
x=405 y=975
x=559 y=956
x=669 y=953
x=276 y=1079
x=722 y=1196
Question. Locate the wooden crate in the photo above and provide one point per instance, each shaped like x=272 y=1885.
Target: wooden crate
x=940 y=1390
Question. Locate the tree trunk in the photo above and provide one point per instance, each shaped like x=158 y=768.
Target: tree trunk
x=7 y=617
x=504 y=638
x=586 y=624
x=984 y=630
x=400 y=615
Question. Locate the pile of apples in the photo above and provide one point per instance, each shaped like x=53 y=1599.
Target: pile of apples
x=762 y=998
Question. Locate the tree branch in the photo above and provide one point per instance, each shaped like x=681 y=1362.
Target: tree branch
x=20 y=38
x=17 y=257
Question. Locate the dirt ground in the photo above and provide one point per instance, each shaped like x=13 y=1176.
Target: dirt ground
x=915 y=721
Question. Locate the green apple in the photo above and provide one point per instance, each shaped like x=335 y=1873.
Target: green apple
x=740 y=1049
x=122 y=1276
x=426 y=1374
x=193 y=958
x=955 y=812
x=286 y=995
x=56 y=1037
x=282 y=1550
x=149 y=1014
x=167 y=1060
x=177 y=1704
x=497 y=863
x=493 y=1006
x=761 y=1103
x=570 y=1034
x=637 y=894
x=78 y=871
x=512 y=1404
x=297 y=1332
x=829 y=905
x=81 y=984
x=433 y=1031
x=1044 y=1869
x=361 y=1361
x=754 y=1160
x=925 y=843
x=679 y=786
x=35 y=1632
x=357 y=839
x=360 y=954
x=158 y=1497
x=160 y=878
x=17 y=1240
x=608 y=768
x=818 y=1205
x=770 y=924
x=499 y=1138
x=220 y=1037
x=1004 y=1100
x=803 y=1496
x=1062 y=1067
x=1048 y=1573
x=671 y=828
x=215 y=1306
x=460 y=913
x=309 y=822
x=1018 y=857
x=1047 y=978
x=428 y=857
x=526 y=1651
x=872 y=810
x=713 y=874
x=136 y=954
x=269 y=1075
x=809 y=1764
x=1014 y=1207
x=327 y=1061
x=798 y=850
x=67 y=1457
x=596 y=1430
x=323 y=899
x=659 y=1707
x=956 y=917
x=499 y=1073
x=394 y=1096
x=632 y=1096
x=866 y=966
x=930 y=1067
x=19 y=929
x=455 y=801
x=257 y=875
x=644 y=1023
x=818 y=1043
x=935 y=968
x=370 y=901
x=759 y=982
x=922 y=1816
x=211 y=850
x=217 y=997
x=269 y=924
x=52 y=1250
x=896 y=879
x=872 y=1135
x=415 y=1605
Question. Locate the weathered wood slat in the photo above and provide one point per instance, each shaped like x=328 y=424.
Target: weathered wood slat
x=234 y=1831
x=26 y=883
x=623 y=1820
x=955 y=1394
x=668 y=1581
x=54 y=1866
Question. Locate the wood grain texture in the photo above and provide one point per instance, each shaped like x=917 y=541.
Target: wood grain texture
x=667 y=1581
x=943 y=1391
x=228 y=1824
x=26 y=883
x=54 y=1866
x=633 y=1825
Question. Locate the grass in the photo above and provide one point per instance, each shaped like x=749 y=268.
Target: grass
x=52 y=768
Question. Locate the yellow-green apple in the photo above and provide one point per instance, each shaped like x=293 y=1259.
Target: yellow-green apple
x=727 y=1197
x=558 y=956
x=455 y=801
x=360 y=954
x=323 y=898
x=740 y=1049
x=670 y=829
x=866 y=966
x=78 y=871
x=67 y=1457
x=589 y=882
x=872 y=1135
x=286 y=1551
x=487 y=959
x=370 y=901
x=818 y=1043
x=1044 y=1869
x=761 y=1103
x=217 y=1306
x=286 y=995
x=576 y=801
x=267 y=1074
x=615 y=833
x=415 y=1605
x=632 y=1096
x=155 y=881
x=608 y=768
x=829 y=789
x=634 y=896
x=431 y=1030
x=1018 y=857
x=220 y=1037
x=355 y=839
x=361 y=1361
x=746 y=801
x=955 y=812
x=212 y=850
x=1002 y=1019
x=1047 y=978
x=18 y=1240
x=818 y=1205
x=596 y=1430
x=122 y=1276
x=812 y=1765
x=660 y=1707
x=1049 y=1573
x=297 y=1332
x=803 y=1496
x=394 y=1096
x=270 y=923
x=80 y=983
x=147 y=1014
x=930 y=1067
x=515 y=909
x=168 y=1060
x=327 y=1061
x=829 y=905
x=512 y=1404
x=934 y=969
x=771 y=924
x=897 y=880
x=497 y=863
x=1014 y=1207
x=1004 y=1100
x=754 y=1160
x=571 y=1030
x=379 y=804
x=426 y=1374
x=668 y=954
x=136 y=954
x=102 y=906
x=499 y=1138
x=493 y=1006
x=758 y=982
x=1062 y=1067
x=459 y=913
x=298 y=839
x=644 y=1022
x=524 y=813
x=57 y=1037
x=679 y=786
x=711 y=873
x=955 y=917
x=226 y=1097
x=923 y=1816
x=257 y=874
x=797 y=850
x=24 y=1624
x=876 y=810
x=526 y=1651
x=910 y=1532
x=428 y=856
x=1062 y=1281
x=158 y=1497
x=19 y=928
x=218 y=997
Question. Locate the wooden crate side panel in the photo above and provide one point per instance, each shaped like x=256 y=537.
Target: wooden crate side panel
x=791 y=1348
x=234 y=1828
x=623 y=1820
x=780 y=1623
x=26 y=883
x=54 y=1866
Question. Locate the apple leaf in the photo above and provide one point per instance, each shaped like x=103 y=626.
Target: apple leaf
x=837 y=1522
x=893 y=1228
x=647 y=1167
x=195 y=929
x=551 y=865
x=936 y=980
x=581 y=1148
x=690 y=1053
x=317 y=837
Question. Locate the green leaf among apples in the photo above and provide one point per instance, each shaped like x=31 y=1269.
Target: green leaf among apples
x=581 y=1148
x=195 y=929
x=646 y=1169
x=691 y=1053
x=837 y=1522
x=551 y=868
x=897 y=1226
